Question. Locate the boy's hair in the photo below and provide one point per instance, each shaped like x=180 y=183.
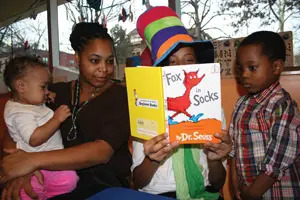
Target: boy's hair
x=84 y=32
x=17 y=68
x=272 y=44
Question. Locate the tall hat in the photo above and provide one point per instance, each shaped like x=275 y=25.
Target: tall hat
x=163 y=32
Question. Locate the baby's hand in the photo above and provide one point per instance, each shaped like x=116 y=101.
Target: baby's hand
x=62 y=113
x=159 y=147
x=51 y=97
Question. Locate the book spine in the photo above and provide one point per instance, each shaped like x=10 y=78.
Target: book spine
x=165 y=100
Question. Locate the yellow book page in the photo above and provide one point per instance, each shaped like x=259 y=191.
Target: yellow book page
x=145 y=101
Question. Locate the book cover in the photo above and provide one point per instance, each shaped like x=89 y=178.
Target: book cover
x=184 y=101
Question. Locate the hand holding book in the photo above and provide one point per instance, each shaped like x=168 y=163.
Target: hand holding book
x=159 y=147
x=218 y=151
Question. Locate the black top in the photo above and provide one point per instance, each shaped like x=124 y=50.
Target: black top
x=106 y=118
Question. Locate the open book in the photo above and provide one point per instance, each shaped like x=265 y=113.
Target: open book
x=184 y=101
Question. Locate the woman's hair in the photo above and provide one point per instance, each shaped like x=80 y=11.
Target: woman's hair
x=17 y=68
x=84 y=32
x=271 y=43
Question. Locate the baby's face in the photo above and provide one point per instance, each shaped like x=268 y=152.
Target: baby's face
x=255 y=70
x=36 y=83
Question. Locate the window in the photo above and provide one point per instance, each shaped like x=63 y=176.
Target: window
x=45 y=59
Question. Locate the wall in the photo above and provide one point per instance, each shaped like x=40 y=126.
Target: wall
x=231 y=92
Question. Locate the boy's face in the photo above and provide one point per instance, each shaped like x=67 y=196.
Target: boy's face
x=255 y=70
x=35 y=90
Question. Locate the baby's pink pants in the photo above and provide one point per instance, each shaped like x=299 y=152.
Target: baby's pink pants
x=55 y=183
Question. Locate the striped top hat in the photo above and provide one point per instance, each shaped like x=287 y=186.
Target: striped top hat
x=163 y=32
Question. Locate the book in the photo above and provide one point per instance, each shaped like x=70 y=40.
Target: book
x=184 y=101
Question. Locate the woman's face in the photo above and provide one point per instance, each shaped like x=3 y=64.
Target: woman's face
x=184 y=56
x=96 y=62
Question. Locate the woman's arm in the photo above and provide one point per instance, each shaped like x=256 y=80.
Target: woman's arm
x=12 y=189
x=217 y=174
x=143 y=173
x=215 y=154
x=156 y=150
x=8 y=142
x=77 y=157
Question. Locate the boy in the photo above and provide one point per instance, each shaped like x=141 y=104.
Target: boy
x=265 y=124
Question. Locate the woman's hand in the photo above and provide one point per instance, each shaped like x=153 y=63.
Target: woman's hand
x=156 y=150
x=18 y=163
x=13 y=187
x=159 y=147
x=219 y=150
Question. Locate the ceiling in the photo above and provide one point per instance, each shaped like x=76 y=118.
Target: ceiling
x=14 y=10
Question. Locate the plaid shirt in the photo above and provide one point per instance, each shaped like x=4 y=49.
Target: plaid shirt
x=265 y=129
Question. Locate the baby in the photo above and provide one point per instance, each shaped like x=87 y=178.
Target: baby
x=32 y=125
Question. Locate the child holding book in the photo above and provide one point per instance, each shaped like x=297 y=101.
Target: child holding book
x=32 y=125
x=265 y=124
x=157 y=164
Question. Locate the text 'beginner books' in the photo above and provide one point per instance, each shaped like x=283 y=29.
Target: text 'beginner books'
x=184 y=101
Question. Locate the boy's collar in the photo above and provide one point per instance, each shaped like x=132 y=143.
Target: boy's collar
x=260 y=97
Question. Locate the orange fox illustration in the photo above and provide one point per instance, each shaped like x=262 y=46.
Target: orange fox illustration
x=182 y=103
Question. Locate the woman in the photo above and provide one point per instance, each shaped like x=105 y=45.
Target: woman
x=96 y=136
x=156 y=161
